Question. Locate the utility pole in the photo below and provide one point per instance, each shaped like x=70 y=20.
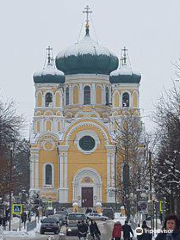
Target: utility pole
x=150 y=188
x=115 y=176
x=10 y=190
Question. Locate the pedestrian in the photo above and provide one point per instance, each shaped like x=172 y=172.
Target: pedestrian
x=4 y=223
x=171 y=229
x=94 y=230
x=37 y=214
x=127 y=230
x=146 y=235
x=24 y=218
x=82 y=230
x=29 y=216
x=116 y=234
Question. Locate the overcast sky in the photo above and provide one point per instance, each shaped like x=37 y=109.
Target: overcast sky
x=150 y=29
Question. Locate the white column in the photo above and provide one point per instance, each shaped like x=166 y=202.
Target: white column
x=81 y=98
x=93 y=93
x=63 y=176
x=65 y=169
x=108 y=170
x=32 y=177
x=103 y=94
x=37 y=171
x=70 y=94
x=61 y=160
x=112 y=170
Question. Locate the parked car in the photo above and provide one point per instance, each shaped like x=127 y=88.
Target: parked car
x=61 y=217
x=96 y=216
x=72 y=221
x=49 y=212
x=108 y=212
x=50 y=225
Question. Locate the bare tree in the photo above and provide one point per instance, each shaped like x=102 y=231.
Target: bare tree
x=130 y=153
x=10 y=130
x=167 y=162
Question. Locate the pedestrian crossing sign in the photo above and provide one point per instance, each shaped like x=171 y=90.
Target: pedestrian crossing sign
x=17 y=209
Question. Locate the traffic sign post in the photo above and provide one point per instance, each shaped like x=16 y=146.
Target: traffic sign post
x=17 y=209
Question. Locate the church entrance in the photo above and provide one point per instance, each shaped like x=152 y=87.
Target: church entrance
x=87 y=196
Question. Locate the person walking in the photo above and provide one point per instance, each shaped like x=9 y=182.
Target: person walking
x=171 y=229
x=94 y=230
x=146 y=235
x=24 y=218
x=127 y=230
x=82 y=230
x=116 y=234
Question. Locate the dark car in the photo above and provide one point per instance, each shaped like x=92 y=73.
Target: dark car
x=50 y=225
x=61 y=217
x=72 y=221
x=96 y=217
x=108 y=212
x=49 y=212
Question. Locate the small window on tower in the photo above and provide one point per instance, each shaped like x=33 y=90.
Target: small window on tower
x=107 y=96
x=67 y=96
x=48 y=100
x=125 y=100
x=48 y=174
x=87 y=95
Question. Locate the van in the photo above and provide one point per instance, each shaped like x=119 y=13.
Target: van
x=108 y=212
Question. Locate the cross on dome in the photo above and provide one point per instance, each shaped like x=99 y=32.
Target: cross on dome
x=87 y=12
x=49 y=55
x=124 y=56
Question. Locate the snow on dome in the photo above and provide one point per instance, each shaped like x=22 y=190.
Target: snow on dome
x=125 y=74
x=49 y=75
x=86 y=56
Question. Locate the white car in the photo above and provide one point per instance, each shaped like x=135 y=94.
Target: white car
x=96 y=216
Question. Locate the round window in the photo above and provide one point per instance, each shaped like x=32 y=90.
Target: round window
x=87 y=143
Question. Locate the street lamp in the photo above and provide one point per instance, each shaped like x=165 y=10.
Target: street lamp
x=10 y=190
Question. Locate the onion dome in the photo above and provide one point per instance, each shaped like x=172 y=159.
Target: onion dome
x=125 y=74
x=49 y=74
x=86 y=57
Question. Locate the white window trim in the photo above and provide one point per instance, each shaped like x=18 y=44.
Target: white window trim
x=87 y=133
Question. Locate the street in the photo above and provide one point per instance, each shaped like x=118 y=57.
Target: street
x=105 y=228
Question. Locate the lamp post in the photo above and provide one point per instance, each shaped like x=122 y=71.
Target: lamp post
x=10 y=190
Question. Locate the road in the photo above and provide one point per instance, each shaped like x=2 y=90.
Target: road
x=104 y=227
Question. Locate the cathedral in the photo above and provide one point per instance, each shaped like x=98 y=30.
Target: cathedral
x=77 y=99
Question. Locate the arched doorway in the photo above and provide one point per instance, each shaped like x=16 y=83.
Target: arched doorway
x=87 y=187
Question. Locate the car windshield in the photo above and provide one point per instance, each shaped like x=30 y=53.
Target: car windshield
x=76 y=217
x=49 y=220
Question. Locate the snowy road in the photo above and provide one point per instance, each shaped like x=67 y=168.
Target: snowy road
x=105 y=228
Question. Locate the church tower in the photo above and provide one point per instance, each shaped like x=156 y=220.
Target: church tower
x=72 y=147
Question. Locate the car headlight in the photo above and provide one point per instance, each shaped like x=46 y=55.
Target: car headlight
x=69 y=230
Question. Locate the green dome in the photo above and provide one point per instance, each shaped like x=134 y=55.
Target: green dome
x=49 y=75
x=86 y=57
x=125 y=74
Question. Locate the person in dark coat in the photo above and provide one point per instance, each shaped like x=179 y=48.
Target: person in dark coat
x=126 y=231
x=171 y=229
x=24 y=218
x=117 y=231
x=82 y=229
x=94 y=230
x=146 y=232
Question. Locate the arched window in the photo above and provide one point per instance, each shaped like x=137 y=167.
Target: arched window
x=48 y=174
x=67 y=96
x=107 y=96
x=48 y=100
x=87 y=95
x=125 y=99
